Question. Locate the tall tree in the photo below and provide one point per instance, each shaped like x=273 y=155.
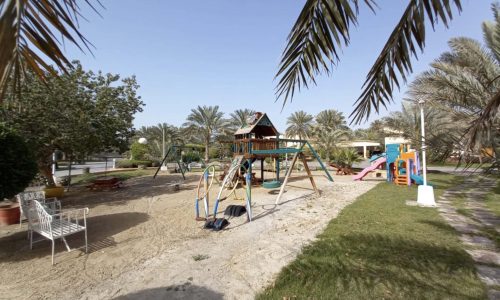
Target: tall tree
x=461 y=83
x=208 y=121
x=329 y=130
x=331 y=119
x=299 y=124
x=79 y=113
x=154 y=135
x=239 y=117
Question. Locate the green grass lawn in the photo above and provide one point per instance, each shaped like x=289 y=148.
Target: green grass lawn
x=493 y=200
x=380 y=248
x=122 y=175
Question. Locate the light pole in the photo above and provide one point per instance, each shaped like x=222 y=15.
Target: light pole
x=425 y=192
x=164 y=166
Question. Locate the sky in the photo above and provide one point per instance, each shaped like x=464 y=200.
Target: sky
x=226 y=52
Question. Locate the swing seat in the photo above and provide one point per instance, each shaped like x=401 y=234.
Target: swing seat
x=272 y=184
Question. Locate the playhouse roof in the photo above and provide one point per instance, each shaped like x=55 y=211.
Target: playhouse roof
x=262 y=126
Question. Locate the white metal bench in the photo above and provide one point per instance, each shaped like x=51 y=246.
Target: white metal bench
x=25 y=200
x=57 y=226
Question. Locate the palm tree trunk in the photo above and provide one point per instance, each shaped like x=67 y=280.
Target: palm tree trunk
x=207 y=144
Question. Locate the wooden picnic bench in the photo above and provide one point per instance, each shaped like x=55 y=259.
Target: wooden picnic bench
x=106 y=182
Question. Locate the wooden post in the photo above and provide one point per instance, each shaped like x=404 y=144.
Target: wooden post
x=309 y=174
x=262 y=169
x=295 y=156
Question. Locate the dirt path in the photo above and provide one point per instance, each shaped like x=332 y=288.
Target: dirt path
x=145 y=244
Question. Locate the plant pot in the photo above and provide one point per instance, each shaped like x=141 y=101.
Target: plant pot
x=56 y=191
x=9 y=213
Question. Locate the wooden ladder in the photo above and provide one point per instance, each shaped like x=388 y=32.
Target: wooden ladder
x=401 y=180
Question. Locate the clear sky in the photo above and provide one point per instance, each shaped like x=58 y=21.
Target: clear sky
x=226 y=52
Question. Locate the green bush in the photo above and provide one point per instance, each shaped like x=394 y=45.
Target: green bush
x=191 y=156
x=213 y=152
x=138 y=151
x=17 y=163
x=132 y=163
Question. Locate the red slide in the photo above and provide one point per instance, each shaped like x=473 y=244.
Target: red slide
x=365 y=171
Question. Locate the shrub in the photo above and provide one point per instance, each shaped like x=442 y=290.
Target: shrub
x=131 y=163
x=17 y=163
x=213 y=152
x=345 y=157
x=138 y=151
x=191 y=156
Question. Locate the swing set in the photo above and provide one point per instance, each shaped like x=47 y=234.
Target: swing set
x=256 y=141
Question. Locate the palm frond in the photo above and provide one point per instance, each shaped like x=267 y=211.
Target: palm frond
x=28 y=30
x=485 y=123
x=321 y=29
x=395 y=58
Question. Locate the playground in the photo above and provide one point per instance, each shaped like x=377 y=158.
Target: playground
x=144 y=237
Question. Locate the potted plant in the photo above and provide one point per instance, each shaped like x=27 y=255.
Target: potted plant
x=17 y=169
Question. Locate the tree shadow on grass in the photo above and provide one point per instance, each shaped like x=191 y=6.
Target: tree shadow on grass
x=134 y=189
x=180 y=291
x=100 y=232
x=359 y=265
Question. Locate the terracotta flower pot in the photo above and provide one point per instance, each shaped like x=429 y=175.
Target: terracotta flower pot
x=55 y=191
x=9 y=213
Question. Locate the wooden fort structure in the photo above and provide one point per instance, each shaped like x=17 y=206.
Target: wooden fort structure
x=259 y=139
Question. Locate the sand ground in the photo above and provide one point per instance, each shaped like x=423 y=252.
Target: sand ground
x=145 y=244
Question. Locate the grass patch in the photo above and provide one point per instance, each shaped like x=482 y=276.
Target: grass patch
x=379 y=248
x=492 y=201
x=122 y=175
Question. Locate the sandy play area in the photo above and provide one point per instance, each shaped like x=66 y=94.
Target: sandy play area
x=145 y=244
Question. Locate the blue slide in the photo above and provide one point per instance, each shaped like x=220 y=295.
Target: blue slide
x=419 y=179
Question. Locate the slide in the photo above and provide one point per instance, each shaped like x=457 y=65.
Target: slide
x=419 y=180
x=365 y=171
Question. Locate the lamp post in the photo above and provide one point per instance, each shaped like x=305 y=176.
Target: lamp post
x=164 y=166
x=425 y=192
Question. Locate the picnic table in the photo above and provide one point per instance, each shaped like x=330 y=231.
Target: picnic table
x=105 y=182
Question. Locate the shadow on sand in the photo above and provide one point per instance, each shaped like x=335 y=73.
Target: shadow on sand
x=180 y=291
x=100 y=231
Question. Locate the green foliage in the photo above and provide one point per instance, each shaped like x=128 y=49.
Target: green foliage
x=214 y=153
x=299 y=125
x=346 y=156
x=138 y=151
x=322 y=29
x=131 y=163
x=155 y=134
x=17 y=163
x=79 y=113
x=206 y=122
x=191 y=156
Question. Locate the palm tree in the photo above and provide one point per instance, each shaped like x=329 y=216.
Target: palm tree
x=239 y=117
x=208 y=121
x=154 y=135
x=441 y=140
x=322 y=29
x=29 y=28
x=462 y=83
x=328 y=140
x=299 y=124
x=331 y=119
x=329 y=130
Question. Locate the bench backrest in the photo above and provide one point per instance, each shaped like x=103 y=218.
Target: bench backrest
x=41 y=217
